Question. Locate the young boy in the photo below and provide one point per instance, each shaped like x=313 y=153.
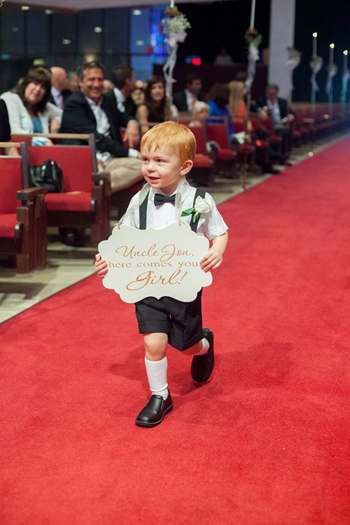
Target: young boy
x=167 y=152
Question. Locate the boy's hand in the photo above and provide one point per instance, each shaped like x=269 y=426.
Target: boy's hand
x=100 y=265
x=211 y=260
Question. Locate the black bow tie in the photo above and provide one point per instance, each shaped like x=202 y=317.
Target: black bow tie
x=160 y=199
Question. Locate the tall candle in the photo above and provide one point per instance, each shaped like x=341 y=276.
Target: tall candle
x=331 y=54
x=314 y=46
x=345 y=60
x=172 y=3
x=252 y=14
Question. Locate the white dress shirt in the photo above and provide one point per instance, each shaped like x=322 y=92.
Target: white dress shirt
x=275 y=112
x=210 y=225
x=190 y=99
x=103 y=127
x=120 y=99
x=58 y=97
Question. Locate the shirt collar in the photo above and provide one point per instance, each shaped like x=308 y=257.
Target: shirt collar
x=55 y=92
x=189 y=96
x=93 y=104
x=119 y=95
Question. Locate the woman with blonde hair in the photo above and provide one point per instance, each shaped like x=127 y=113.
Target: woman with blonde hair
x=237 y=106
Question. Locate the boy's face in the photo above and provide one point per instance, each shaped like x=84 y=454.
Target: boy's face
x=163 y=169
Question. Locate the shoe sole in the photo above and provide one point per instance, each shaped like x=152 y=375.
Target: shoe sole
x=150 y=425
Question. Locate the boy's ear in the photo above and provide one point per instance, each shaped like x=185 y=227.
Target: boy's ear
x=186 y=167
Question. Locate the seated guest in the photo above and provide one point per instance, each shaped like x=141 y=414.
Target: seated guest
x=184 y=100
x=156 y=107
x=237 y=106
x=223 y=58
x=5 y=132
x=200 y=113
x=124 y=81
x=28 y=107
x=59 y=84
x=281 y=114
x=217 y=100
x=275 y=106
x=88 y=111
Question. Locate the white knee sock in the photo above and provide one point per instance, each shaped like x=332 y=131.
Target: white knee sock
x=205 y=347
x=157 y=376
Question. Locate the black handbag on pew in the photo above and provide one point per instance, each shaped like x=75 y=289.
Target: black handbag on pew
x=48 y=175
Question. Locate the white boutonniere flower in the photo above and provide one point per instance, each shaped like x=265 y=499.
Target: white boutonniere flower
x=200 y=206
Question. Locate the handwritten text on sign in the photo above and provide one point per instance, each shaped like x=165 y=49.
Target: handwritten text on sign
x=157 y=263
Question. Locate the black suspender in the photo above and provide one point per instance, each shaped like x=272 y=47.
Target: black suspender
x=194 y=224
x=143 y=213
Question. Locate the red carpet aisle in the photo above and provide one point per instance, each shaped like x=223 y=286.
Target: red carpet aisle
x=265 y=443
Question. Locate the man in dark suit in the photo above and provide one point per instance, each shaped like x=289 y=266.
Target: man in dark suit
x=124 y=80
x=59 y=91
x=275 y=106
x=184 y=100
x=88 y=111
x=282 y=116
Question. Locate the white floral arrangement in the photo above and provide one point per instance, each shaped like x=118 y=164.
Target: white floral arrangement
x=200 y=206
x=294 y=57
x=176 y=24
x=252 y=37
x=316 y=60
x=332 y=70
x=316 y=63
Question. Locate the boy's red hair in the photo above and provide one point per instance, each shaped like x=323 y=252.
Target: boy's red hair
x=174 y=135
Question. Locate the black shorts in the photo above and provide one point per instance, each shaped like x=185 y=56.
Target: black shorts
x=181 y=321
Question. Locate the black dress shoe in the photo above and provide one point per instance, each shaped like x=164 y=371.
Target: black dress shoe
x=203 y=365
x=155 y=410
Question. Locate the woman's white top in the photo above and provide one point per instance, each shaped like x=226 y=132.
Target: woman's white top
x=20 y=121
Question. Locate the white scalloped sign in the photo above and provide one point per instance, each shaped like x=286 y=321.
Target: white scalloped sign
x=155 y=263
